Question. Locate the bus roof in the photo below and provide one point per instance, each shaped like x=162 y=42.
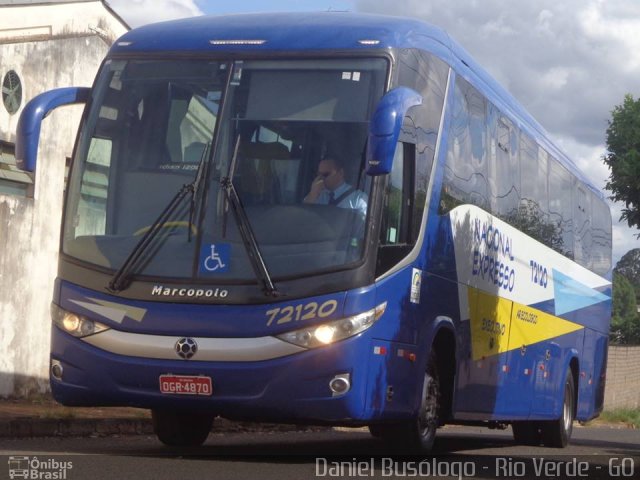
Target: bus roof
x=331 y=31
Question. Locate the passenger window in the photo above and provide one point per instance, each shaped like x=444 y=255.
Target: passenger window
x=601 y=235
x=542 y=184
x=466 y=170
x=533 y=162
x=560 y=209
x=532 y=217
x=582 y=216
x=505 y=169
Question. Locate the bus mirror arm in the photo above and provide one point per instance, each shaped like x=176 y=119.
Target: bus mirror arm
x=385 y=128
x=28 y=131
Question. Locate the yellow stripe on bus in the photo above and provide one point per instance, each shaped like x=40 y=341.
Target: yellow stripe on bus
x=499 y=325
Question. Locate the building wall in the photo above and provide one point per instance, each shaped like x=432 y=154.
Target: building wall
x=623 y=378
x=48 y=46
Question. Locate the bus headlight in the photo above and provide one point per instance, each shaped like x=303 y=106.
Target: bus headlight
x=327 y=333
x=74 y=324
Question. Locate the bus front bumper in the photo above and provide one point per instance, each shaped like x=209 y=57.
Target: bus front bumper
x=294 y=388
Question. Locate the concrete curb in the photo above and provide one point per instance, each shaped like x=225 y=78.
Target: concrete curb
x=82 y=427
x=98 y=427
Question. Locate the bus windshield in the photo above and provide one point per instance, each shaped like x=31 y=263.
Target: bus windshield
x=268 y=130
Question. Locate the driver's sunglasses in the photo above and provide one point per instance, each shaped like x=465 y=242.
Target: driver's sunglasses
x=325 y=174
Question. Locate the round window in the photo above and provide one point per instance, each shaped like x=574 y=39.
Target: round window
x=11 y=92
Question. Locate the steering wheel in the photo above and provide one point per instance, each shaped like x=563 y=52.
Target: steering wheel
x=175 y=224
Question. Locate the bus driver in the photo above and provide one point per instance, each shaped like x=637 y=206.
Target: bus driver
x=329 y=188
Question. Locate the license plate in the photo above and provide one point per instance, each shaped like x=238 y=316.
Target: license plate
x=185 y=385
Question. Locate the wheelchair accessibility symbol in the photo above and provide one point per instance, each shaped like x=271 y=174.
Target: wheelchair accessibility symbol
x=215 y=258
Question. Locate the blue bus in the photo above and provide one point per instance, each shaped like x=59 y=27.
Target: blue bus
x=325 y=218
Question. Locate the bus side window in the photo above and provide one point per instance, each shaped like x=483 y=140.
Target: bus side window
x=92 y=206
x=504 y=171
x=600 y=235
x=560 y=232
x=396 y=230
x=582 y=225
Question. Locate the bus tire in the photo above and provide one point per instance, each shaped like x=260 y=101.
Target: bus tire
x=557 y=433
x=526 y=433
x=181 y=429
x=418 y=435
x=430 y=407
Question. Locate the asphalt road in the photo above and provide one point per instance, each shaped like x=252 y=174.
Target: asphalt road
x=461 y=452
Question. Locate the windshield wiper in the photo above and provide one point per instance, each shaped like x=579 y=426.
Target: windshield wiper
x=244 y=227
x=201 y=174
x=120 y=279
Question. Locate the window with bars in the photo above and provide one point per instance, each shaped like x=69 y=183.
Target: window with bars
x=13 y=181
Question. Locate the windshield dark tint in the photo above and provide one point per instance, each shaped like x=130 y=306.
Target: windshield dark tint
x=286 y=125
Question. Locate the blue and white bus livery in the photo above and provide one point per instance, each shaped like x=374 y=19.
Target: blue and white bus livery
x=196 y=282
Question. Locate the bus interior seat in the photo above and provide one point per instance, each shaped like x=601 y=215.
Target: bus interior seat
x=258 y=182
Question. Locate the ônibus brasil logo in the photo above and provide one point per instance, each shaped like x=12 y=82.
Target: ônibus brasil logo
x=36 y=469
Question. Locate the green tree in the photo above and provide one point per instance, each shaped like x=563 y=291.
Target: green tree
x=629 y=266
x=623 y=158
x=625 y=324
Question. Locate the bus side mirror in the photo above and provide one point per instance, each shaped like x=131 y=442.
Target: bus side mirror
x=385 y=127
x=28 y=131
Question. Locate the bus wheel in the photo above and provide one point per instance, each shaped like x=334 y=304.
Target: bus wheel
x=181 y=429
x=557 y=433
x=417 y=435
x=526 y=433
x=428 y=419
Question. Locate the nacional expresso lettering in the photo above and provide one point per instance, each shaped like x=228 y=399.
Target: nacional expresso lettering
x=493 y=255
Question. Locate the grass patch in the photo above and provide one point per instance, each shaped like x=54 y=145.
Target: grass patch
x=59 y=414
x=628 y=416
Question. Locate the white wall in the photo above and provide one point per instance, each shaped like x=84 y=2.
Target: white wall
x=48 y=46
